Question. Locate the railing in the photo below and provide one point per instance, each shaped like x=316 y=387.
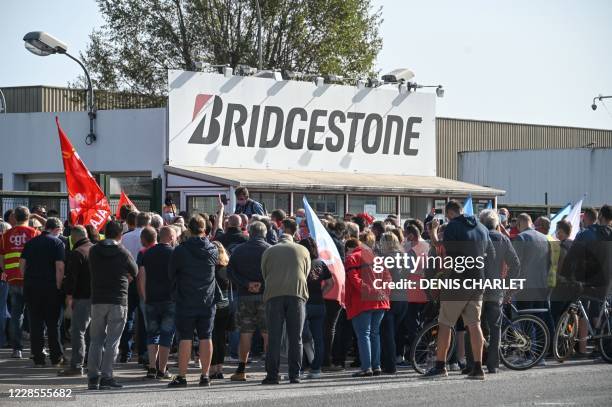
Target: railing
x=58 y=201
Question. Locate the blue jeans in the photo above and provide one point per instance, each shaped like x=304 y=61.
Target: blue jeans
x=17 y=305
x=389 y=334
x=367 y=329
x=126 y=344
x=315 y=320
x=3 y=311
x=160 y=323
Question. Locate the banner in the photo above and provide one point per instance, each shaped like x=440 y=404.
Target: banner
x=468 y=208
x=328 y=253
x=558 y=216
x=574 y=218
x=123 y=200
x=88 y=205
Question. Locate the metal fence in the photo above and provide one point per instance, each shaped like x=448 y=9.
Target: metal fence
x=58 y=201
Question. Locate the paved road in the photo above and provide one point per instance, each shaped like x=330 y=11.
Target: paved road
x=574 y=383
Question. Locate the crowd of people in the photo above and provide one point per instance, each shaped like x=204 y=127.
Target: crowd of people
x=207 y=285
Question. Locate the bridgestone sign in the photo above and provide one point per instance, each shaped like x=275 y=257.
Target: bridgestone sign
x=262 y=123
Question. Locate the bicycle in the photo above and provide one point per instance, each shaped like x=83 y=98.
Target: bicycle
x=523 y=342
x=524 y=339
x=566 y=331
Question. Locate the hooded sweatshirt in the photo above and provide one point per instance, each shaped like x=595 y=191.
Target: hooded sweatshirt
x=589 y=262
x=464 y=236
x=192 y=274
x=110 y=265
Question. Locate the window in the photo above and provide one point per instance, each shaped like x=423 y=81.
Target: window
x=271 y=200
x=44 y=186
x=374 y=205
x=417 y=207
x=133 y=186
x=321 y=203
x=202 y=204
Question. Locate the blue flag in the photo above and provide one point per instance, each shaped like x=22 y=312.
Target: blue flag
x=468 y=208
x=489 y=204
x=558 y=216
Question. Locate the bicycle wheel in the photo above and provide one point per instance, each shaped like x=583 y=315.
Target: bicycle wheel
x=605 y=342
x=424 y=346
x=524 y=342
x=565 y=335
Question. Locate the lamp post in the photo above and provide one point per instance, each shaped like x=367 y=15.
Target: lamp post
x=42 y=44
x=600 y=98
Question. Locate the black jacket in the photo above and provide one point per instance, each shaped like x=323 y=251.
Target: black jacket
x=110 y=265
x=245 y=265
x=587 y=268
x=464 y=236
x=77 y=279
x=231 y=238
x=192 y=275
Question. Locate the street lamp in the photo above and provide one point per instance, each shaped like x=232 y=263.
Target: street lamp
x=42 y=44
x=600 y=97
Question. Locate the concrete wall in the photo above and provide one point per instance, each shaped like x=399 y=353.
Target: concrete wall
x=129 y=141
x=527 y=174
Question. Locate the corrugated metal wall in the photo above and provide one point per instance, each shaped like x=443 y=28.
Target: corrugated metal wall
x=52 y=99
x=526 y=175
x=457 y=135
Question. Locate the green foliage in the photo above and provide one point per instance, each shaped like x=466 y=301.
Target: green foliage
x=142 y=39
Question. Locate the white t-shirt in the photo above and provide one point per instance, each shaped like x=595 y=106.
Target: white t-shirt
x=131 y=241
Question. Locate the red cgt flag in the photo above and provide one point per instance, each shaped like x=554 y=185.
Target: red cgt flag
x=123 y=200
x=88 y=205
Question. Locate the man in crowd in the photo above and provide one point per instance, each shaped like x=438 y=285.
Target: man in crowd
x=77 y=286
x=463 y=237
x=112 y=269
x=505 y=257
x=285 y=267
x=42 y=266
x=155 y=288
x=246 y=205
x=131 y=241
x=534 y=252
x=244 y=270
x=587 y=268
x=233 y=236
x=192 y=276
x=13 y=242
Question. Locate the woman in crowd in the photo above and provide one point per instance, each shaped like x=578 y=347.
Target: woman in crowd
x=365 y=305
x=223 y=316
x=319 y=282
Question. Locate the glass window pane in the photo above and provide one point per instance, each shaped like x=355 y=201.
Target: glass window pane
x=44 y=186
x=142 y=186
x=201 y=204
x=375 y=205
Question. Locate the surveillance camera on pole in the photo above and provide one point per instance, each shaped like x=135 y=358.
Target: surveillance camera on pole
x=600 y=98
x=398 y=75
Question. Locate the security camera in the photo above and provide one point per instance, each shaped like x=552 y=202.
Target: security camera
x=398 y=75
x=594 y=106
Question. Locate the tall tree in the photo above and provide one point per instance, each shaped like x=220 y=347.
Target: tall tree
x=142 y=39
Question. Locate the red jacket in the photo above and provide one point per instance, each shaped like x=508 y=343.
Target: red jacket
x=361 y=294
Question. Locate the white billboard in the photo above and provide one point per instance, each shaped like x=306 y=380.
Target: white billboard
x=260 y=123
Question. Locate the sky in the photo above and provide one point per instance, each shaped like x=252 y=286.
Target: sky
x=525 y=61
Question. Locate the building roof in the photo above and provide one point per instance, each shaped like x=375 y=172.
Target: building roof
x=318 y=181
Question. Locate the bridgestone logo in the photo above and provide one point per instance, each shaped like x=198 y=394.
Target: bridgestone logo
x=370 y=132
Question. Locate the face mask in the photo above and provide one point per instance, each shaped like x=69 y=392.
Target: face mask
x=502 y=218
x=298 y=220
